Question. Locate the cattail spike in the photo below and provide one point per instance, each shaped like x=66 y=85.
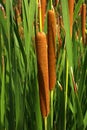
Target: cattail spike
x=51 y=48
x=42 y=61
x=71 y=8
x=43 y=11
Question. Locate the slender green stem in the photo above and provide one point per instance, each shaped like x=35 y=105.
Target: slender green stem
x=66 y=94
x=51 y=4
x=45 y=123
x=51 y=109
x=40 y=16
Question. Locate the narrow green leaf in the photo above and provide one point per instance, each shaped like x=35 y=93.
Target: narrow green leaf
x=67 y=31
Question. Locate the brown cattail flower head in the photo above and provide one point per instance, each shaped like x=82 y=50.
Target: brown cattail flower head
x=43 y=78
x=71 y=8
x=83 y=22
x=51 y=49
x=43 y=11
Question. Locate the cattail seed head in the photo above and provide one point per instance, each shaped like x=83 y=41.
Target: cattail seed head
x=71 y=8
x=43 y=11
x=51 y=49
x=43 y=79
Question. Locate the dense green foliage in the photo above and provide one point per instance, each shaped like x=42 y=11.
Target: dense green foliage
x=19 y=94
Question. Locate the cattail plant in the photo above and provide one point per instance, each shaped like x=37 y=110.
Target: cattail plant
x=51 y=48
x=51 y=56
x=71 y=8
x=83 y=21
x=42 y=61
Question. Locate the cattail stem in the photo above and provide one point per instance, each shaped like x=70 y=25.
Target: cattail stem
x=51 y=95
x=66 y=94
x=50 y=4
x=40 y=16
x=45 y=123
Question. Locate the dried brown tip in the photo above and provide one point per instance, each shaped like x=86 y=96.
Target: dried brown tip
x=19 y=22
x=43 y=11
x=51 y=49
x=83 y=21
x=71 y=8
x=59 y=33
x=20 y=5
x=56 y=2
x=4 y=1
x=43 y=79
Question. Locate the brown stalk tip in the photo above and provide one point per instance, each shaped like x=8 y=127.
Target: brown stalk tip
x=51 y=49
x=71 y=8
x=83 y=21
x=43 y=79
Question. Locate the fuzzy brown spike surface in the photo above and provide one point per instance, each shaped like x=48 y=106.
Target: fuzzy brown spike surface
x=43 y=78
x=71 y=8
x=43 y=11
x=83 y=22
x=51 y=49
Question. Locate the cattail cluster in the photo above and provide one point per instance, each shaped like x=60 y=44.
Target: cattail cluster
x=46 y=59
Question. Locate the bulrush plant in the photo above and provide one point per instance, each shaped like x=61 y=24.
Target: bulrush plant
x=42 y=62
x=83 y=22
x=51 y=22
x=71 y=9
